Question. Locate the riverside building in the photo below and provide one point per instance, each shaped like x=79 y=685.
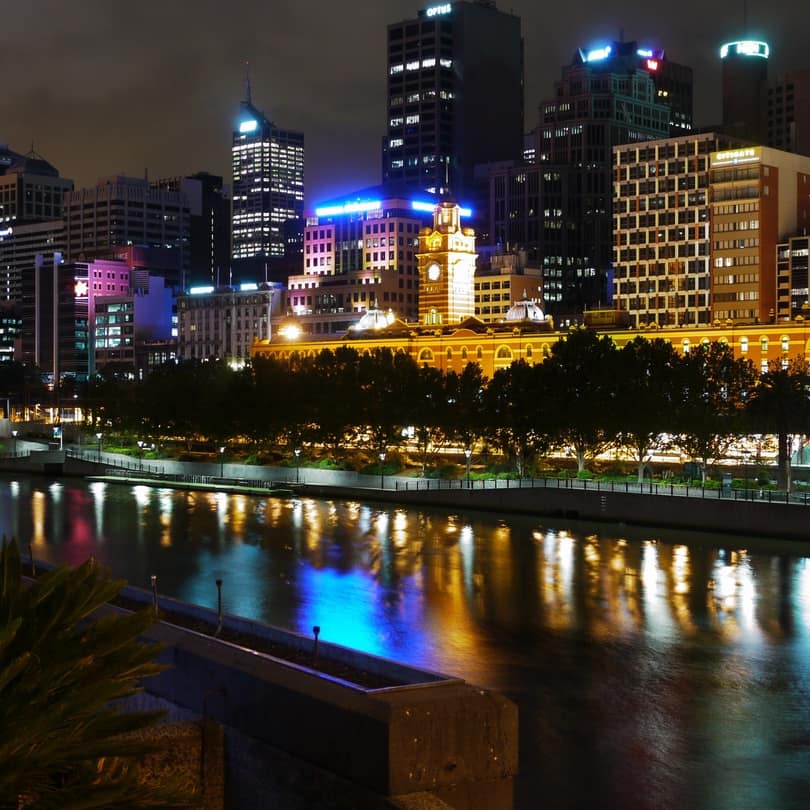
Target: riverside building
x=661 y=227
x=759 y=197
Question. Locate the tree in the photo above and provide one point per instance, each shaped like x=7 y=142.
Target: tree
x=644 y=398
x=780 y=404
x=63 y=744
x=464 y=396
x=514 y=404
x=429 y=413
x=580 y=380
x=711 y=389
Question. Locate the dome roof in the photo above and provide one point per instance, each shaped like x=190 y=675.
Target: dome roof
x=525 y=310
x=373 y=320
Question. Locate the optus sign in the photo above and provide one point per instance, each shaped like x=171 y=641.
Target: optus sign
x=434 y=11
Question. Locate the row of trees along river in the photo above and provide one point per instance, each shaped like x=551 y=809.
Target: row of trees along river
x=587 y=396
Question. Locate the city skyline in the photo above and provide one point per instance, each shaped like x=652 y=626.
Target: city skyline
x=129 y=90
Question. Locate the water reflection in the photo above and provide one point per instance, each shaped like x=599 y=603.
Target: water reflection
x=690 y=657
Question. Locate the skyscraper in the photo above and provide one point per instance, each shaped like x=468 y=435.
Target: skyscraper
x=559 y=209
x=788 y=112
x=122 y=211
x=31 y=189
x=455 y=95
x=268 y=194
x=210 y=225
x=745 y=77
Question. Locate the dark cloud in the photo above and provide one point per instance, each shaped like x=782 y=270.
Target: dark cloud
x=105 y=87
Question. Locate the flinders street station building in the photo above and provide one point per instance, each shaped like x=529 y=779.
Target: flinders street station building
x=452 y=330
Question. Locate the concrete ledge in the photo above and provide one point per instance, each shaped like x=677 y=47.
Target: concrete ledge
x=444 y=737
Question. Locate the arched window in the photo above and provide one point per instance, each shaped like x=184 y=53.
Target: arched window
x=464 y=353
x=785 y=343
x=503 y=353
x=743 y=345
x=686 y=345
x=426 y=356
x=449 y=354
x=529 y=351
x=479 y=353
x=763 y=344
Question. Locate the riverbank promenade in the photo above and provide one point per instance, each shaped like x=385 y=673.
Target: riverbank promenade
x=747 y=511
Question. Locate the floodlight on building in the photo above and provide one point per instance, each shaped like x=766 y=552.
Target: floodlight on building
x=248 y=126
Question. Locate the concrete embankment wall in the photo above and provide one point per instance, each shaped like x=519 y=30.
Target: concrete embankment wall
x=754 y=517
x=294 y=737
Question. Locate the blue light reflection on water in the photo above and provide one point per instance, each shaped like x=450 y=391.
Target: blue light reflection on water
x=689 y=655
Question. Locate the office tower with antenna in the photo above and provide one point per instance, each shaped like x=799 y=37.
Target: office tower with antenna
x=268 y=196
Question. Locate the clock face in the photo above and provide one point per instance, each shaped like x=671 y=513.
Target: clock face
x=434 y=271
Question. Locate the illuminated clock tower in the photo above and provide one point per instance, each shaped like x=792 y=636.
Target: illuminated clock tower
x=446 y=268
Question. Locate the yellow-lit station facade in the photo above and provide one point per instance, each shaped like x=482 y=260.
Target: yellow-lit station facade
x=448 y=336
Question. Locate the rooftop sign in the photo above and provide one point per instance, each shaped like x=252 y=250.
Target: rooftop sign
x=746 y=47
x=434 y=11
x=730 y=157
x=349 y=207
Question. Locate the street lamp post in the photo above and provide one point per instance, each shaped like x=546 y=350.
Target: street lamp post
x=140 y=452
x=221 y=462
x=297 y=452
x=382 y=471
x=468 y=453
x=98 y=436
x=14 y=436
x=745 y=474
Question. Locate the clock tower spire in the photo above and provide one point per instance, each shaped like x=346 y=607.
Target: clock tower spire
x=446 y=261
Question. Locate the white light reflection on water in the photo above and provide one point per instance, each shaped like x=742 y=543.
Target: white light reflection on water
x=97 y=490
x=658 y=620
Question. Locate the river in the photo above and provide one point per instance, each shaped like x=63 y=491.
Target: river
x=651 y=668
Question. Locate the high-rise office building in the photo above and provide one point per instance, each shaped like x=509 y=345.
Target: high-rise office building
x=19 y=247
x=745 y=81
x=359 y=254
x=122 y=211
x=792 y=265
x=455 y=95
x=268 y=195
x=209 y=207
x=661 y=225
x=31 y=189
x=788 y=112
x=559 y=209
x=760 y=197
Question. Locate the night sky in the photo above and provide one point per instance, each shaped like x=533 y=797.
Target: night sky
x=104 y=87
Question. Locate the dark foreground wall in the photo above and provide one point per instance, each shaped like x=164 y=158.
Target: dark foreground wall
x=294 y=737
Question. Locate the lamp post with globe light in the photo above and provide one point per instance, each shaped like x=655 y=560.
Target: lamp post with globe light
x=382 y=470
x=221 y=461
x=98 y=436
x=468 y=453
x=14 y=436
x=297 y=452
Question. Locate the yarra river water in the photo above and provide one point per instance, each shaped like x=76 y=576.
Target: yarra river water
x=651 y=668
